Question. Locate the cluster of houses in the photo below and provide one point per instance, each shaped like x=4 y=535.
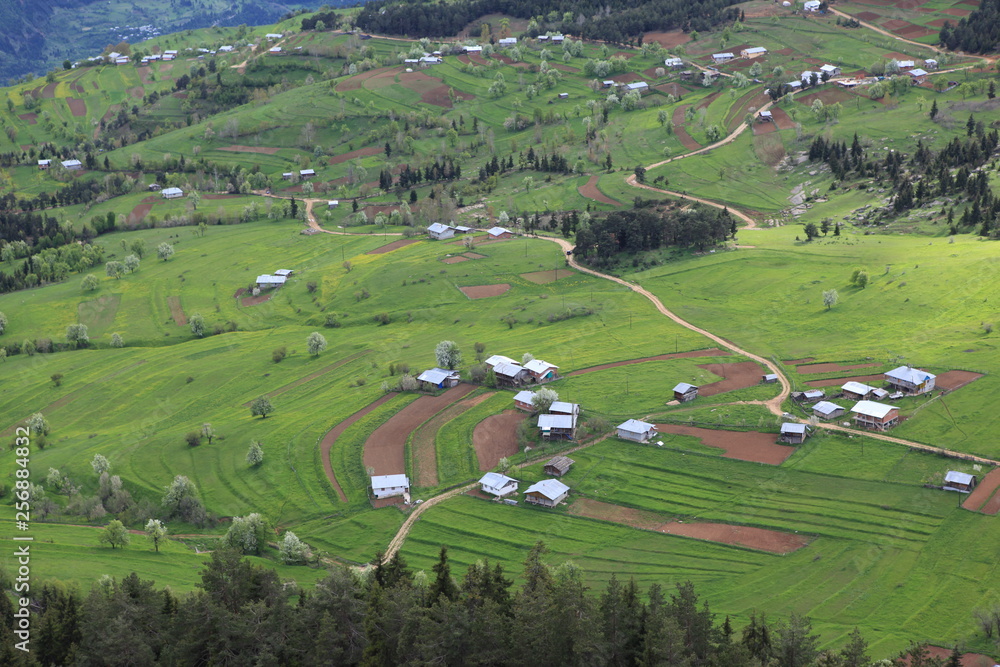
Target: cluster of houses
x=748 y=53
x=304 y=174
x=425 y=60
x=441 y=232
x=559 y=422
x=868 y=413
x=509 y=373
x=70 y=165
x=547 y=493
x=268 y=281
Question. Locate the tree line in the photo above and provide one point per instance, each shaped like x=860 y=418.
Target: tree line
x=979 y=32
x=243 y=614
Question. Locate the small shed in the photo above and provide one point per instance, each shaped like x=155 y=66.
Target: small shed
x=608 y=83
x=557 y=426
x=564 y=408
x=547 y=493
x=766 y=117
x=498 y=484
x=386 y=486
x=878 y=416
x=44 y=164
x=856 y=391
x=558 y=466
x=810 y=396
x=284 y=272
x=438 y=378
x=563 y=96
x=673 y=62
x=511 y=375
x=525 y=400
x=770 y=378
x=333 y=203
x=440 y=232
x=636 y=431
x=306 y=173
x=827 y=410
x=171 y=193
x=274 y=50
x=541 y=371
x=266 y=281
x=640 y=86
x=154 y=187
x=794 y=434
x=499 y=233
x=959 y=481
x=930 y=63
x=508 y=41
x=685 y=392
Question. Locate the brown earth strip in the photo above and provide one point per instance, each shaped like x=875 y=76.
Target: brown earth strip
x=546 y=277
x=796 y=362
x=385 y=448
x=312 y=376
x=176 y=311
x=760 y=539
x=484 y=291
x=667 y=40
x=679 y=131
x=454 y=259
x=331 y=437
x=627 y=77
x=708 y=100
x=496 y=437
x=866 y=16
x=740 y=375
x=361 y=152
x=830 y=367
x=591 y=191
x=29 y=118
x=954 y=11
x=389 y=247
x=423 y=452
x=742 y=445
x=713 y=352
x=836 y=382
x=77 y=107
x=782 y=119
x=473 y=255
x=356 y=81
x=248 y=301
x=138 y=214
x=952 y=380
x=267 y=150
x=968 y=659
x=983 y=492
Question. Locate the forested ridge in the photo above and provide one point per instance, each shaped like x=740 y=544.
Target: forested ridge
x=979 y=32
x=617 y=21
x=388 y=615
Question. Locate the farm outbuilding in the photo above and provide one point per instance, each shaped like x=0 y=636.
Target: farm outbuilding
x=766 y=117
x=827 y=410
x=557 y=426
x=809 y=396
x=438 y=378
x=558 y=466
x=548 y=493
x=959 y=481
x=878 y=416
x=685 y=392
x=832 y=70
x=497 y=484
x=266 y=281
x=306 y=173
x=511 y=375
x=44 y=164
x=770 y=378
x=541 y=371
x=72 y=165
x=284 y=272
x=856 y=391
x=171 y=193
x=673 y=62
x=722 y=57
x=640 y=86
x=440 y=232
x=333 y=203
x=811 y=5
x=508 y=41
x=524 y=400
x=386 y=486
x=794 y=434
x=753 y=52
x=636 y=431
x=499 y=233
x=910 y=380
x=564 y=408
x=495 y=359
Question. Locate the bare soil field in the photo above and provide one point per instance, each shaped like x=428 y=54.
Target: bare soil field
x=985 y=491
x=952 y=380
x=563 y=67
x=954 y=11
x=796 y=362
x=546 y=277
x=911 y=31
x=747 y=536
x=763 y=128
x=138 y=214
x=590 y=191
x=829 y=367
x=176 y=311
x=385 y=448
x=454 y=259
x=894 y=24
x=968 y=659
x=331 y=436
x=627 y=77
x=77 y=107
x=829 y=96
x=422 y=448
x=496 y=437
x=679 y=131
x=356 y=81
x=389 y=247
x=266 y=150
x=674 y=89
x=742 y=445
x=474 y=255
x=713 y=352
x=782 y=119
x=867 y=16
x=484 y=291
x=735 y=376
x=836 y=382
x=248 y=301
x=29 y=118
x=667 y=40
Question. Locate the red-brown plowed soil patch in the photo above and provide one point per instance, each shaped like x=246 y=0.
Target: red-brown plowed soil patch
x=176 y=311
x=181 y=95
x=984 y=491
x=29 y=118
x=496 y=437
x=915 y=31
x=713 y=352
x=667 y=40
x=138 y=214
x=952 y=380
x=474 y=255
x=735 y=376
x=506 y=60
x=867 y=16
x=219 y=196
x=829 y=96
x=679 y=131
x=674 y=89
x=590 y=191
x=267 y=150
x=331 y=437
x=836 y=382
x=477 y=58
x=464 y=58
x=385 y=448
x=796 y=362
x=361 y=152
x=743 y=445
x=422 y=448
x=627 y=77
x=389 y=247
x=546 y=277
x=248 y=301
x=781 y=119
x=439 y=96
x=830 y=367
x=355 y=82
x=938 y=23
x=454 y=259
x=484 y=291
x=954 y=11
x=240 y=292
x=708 y=100
x=311 y=376
x=896 y=55
x=761 y=539
x=94 y=84
x=968 y=659
x=764 y=128
x=49 y=91
x=77 y=107
x=894 y=24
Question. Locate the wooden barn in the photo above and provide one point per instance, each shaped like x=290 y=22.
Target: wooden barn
x=878 y=416
x=685 y=392
x=547 y=493
x=510 y=375
x=827 y=410
x=959 y=481
x=557 y=426
x=636 y=431
x=558 y=466
x=794 y=434
x=438 y=378
x=564 y=408
x=856 y=391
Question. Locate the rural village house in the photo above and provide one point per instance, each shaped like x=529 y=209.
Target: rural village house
x=438 y=378
x=558 y=426
x=440 y=232
x=878 y=416
x=541 y=371
x=498 y=484
x=495 y=359
x=171 y=193
x=558 y=466
x=636 y=431
x=910 y=380
x=811 y=5
x=44 y=164
x=794 y=434
x=827 y=410
x=809 y=396
x=72 y=165
x=753 y=52
x=548 y=493
x=496 y=233
x=857 y=391
x=685 y=392
x=524 y=400
x=510 y=374
x=386 y=486
x=959 y=481
x=674 y=62
x=722 y=57
x=564 y=408
x=831 y=70
x=266 y=281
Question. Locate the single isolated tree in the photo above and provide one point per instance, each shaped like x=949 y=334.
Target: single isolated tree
x=164 y=251
x=448 y=354
x=208 y=432
x=255 y=455
x=262 y=407
x=76 y=334
x=247 y=534
x=38 y=423
x=315 y=343
x=114 y=269
x=293 y=550
x=197 y=324
x=543 y=399
x=830 y=298
x=180 y=490
x=89 y=283
x=100 y=464
x=132 y=263
x=156 y=532
x=116 y=340
x=115 y=534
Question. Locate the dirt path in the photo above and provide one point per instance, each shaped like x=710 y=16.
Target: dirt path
x=331 y=437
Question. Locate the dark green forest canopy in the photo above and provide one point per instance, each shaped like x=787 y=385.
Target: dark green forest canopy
x=977 y=33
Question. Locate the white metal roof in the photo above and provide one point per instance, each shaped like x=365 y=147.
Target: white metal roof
x=71 y=163
x=497 y=231
x=436 y=375
x=564 y=407
x=496 y=480
x=307 y=172
x=909 y=374
x=507 y=369
x=918 y=72
x=265 y=279
x=829 y=68
x=550 y=488
x=717 y=56
x=671 y=62
x=767 y=114
x=959 y=477
x=636 y=426
x=283 y=272
x=793 y=428
x=872 y=409
x=826 y=407
x=389 y=481
x=525 y=396
x=539 y=366
x=756 y=49
x=508 y=40
x=684 y=387
x=857 y=388
x=556 y=421
x=437 y=228
x=166 y=192
x=497 y=359
x=813 y=393
x=638 y=85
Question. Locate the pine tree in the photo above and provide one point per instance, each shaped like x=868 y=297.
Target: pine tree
x=442 y=586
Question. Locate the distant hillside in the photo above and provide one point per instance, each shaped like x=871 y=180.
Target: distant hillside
x=977 y=33
x=37 y=35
